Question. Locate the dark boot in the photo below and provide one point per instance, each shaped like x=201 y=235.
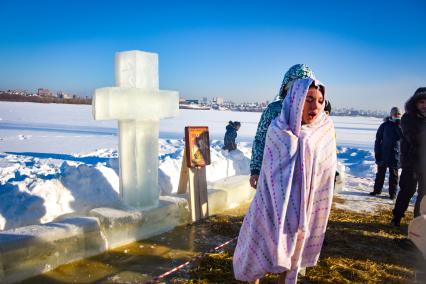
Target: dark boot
x=395 y=222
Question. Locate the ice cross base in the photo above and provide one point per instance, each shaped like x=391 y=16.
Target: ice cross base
x=138 y=105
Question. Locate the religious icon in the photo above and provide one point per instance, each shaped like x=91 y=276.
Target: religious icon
x=197 y=146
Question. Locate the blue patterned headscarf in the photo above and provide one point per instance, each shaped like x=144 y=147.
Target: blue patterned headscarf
x=298 y=71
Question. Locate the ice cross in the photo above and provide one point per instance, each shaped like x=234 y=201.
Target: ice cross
x=137 y=104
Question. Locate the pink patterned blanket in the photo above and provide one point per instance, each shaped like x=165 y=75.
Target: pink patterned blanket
x=286 y=222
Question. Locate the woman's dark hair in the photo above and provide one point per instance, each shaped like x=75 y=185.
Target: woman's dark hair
x=318 y=87
x=410 y=105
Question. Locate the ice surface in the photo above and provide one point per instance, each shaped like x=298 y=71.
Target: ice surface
x=134 y=104
x=237 y=188
x=36 y=249
x=138 y=148
x=138 y=105
x=71 y=129
x=32 y=180
x=137 y=69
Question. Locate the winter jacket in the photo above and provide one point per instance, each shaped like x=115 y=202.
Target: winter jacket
x=271 y=112
x=387 y=145
x=230 y=136
x=413 y=145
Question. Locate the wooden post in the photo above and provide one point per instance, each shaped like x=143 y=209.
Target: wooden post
x=184 y=175
x=193 y=172
x=198 y=193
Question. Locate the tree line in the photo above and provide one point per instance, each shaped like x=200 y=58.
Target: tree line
x=48 y=100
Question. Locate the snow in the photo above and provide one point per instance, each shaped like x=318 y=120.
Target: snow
x=56 y=160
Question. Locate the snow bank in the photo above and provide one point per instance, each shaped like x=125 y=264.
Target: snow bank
x=42 y=189
x=34 y=198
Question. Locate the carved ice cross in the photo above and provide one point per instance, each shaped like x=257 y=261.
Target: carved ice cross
x=138 y=105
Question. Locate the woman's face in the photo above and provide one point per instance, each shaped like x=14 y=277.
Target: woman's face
x=421 y=106
x=313 y=105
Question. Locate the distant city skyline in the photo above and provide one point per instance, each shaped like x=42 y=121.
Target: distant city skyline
x=216 y=103
x=369 y=54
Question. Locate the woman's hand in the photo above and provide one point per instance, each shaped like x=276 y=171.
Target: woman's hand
x=253 y=180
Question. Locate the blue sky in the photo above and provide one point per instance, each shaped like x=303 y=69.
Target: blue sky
x=370 y=54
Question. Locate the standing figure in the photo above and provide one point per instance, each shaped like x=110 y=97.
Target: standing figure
x=413 y=156
x=298 y=71
x=327 y=107
x=285 y=225
x=387 y=153
x=231 y=135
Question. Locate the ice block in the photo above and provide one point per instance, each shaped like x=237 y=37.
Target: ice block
x=138 y=105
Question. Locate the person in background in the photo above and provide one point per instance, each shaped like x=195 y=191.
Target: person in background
x=298 y=71
x=413 y=156
x=327 y=107
x=387 y=153
x=231 y=135
x=283 y=230
x=337 y=176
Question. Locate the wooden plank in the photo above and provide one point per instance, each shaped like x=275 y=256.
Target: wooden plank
x=194 y=198
x=202 y=188
x=184 y=176
x=198 y=193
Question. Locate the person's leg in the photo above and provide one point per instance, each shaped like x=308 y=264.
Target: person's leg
x=393 y=182
x=380 y=179
x=407 y=185
x=257 y=281
x=421 y=191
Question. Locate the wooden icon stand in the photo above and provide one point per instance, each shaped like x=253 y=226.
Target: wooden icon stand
x=193 y=171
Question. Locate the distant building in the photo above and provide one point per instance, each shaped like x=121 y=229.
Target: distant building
x=193 y=101
x=205 y=100
x=44 y=92
x=63 y=95
x=218 y=100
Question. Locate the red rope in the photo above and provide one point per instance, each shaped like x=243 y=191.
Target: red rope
x=155 y=279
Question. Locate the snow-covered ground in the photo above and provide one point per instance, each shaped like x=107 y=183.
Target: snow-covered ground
x=55 y=159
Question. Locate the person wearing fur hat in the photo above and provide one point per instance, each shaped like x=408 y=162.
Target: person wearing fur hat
x=298 y=71
x=387 y=153
x=413 y=156
x=231 y=135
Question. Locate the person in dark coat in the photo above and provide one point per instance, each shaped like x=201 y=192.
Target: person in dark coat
x=387 y=152
x=413 y=156
x=231 y=135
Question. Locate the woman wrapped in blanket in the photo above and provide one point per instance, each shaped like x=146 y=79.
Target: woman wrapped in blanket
x=273 y=110
x=284 y=228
